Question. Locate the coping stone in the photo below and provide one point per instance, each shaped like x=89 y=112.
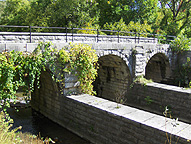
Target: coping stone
x=146 y=118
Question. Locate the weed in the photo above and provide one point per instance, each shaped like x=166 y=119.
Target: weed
x=148 y=100
x=6 y=135
x=140 y=79
x=134 y=51
x=120 y=97
x=174 y=123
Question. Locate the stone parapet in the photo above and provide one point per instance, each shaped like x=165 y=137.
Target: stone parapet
x=25 y=37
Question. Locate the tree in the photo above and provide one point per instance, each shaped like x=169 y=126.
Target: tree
x=113 y=10
x=188 y=31
x=55 y=13
x=135 y=10
x=15 y=12
x=2 y=6
x=131 y=27
x=176 y=15
x=144 y=10
x=72 y=13
x=39 y=13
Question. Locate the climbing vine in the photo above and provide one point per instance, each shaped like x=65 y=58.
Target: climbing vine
x=84 y=61
x=19 y=70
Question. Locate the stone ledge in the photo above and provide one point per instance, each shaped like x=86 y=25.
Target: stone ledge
x=182 y=130
x=170 y=87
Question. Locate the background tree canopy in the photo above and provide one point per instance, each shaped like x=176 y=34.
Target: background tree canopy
x=170 y=17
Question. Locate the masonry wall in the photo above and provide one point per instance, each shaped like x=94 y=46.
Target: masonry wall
x=103 y=127
x=155 y=97
x=24 y=37
x=98 y=125
x=47 y=98
x=94 y=122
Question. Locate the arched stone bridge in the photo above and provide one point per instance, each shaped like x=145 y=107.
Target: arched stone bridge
x=100 y=120
x=121 y=60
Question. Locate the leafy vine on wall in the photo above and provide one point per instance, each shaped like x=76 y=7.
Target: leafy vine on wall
x=19 y=70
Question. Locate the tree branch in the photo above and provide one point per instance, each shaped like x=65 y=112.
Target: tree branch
x=178 y=10
x=180 y=19
x=163 y=10
x=185 y=22
x=183 y=3
x=173 y=10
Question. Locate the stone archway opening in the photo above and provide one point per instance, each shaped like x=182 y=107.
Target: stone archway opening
x=158 y=68
x=113 y=79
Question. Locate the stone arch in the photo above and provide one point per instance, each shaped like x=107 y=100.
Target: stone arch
x=46 y=96
x=158 y=68
x=162 y=50
x=114 y=77
x=124 y=56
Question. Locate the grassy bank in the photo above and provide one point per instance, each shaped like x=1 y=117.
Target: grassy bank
x=8 y=136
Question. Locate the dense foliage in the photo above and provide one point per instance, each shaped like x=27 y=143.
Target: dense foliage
x=19 y=70
x=176 y=15
x=180 y=44
x=170 y=17
x=137 y=27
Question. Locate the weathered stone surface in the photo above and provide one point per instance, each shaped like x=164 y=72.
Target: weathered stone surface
x=161 y=95
x=24 y=37
x=107 y=45
x=103 y=121
x=15 y=46
x=98 y=120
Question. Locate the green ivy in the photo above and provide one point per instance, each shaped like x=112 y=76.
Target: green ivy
x=19 y=70
x=84 y=61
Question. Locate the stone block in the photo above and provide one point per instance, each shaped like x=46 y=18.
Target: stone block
x=69 y=85
x=9 y=38
x=16 y=47
x=139 y=116
x=2 y=47
x=70 y=91
x=70 y=79
x=49 y=38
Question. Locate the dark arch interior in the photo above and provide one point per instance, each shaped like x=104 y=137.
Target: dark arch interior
x=113 y=77
x=158 y=68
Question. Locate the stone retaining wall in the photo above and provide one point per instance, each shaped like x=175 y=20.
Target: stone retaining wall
x=102 y=122
x=155 y=97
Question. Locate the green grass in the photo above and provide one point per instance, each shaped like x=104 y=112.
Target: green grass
x=8 y=136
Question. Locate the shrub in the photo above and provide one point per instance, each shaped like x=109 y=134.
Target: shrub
x=181 y=43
